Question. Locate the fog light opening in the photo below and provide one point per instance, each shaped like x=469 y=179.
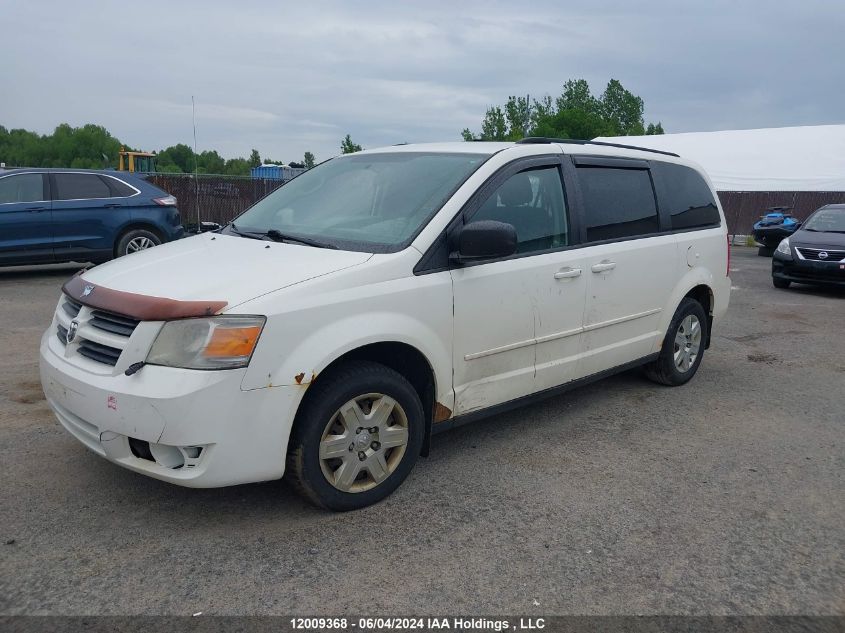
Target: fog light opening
x=192 y=452
x=140 y=449
x=172 y=457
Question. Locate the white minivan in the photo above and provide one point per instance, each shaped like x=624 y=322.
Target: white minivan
x=384 y=296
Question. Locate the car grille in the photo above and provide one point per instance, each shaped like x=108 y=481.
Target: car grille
x=836 y=276
x=104 y=348
x=115 y=323
x=71 y=307
x=101 y=353
x=813 y=254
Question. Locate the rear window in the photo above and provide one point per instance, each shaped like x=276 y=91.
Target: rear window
x=80 y=187
x=118 y=187
x=686 y=197
x=618 y=203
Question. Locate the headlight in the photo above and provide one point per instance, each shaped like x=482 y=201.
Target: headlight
x=224 y=342
x=783 y=247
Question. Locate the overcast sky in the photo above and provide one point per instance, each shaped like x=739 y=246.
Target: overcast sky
x=286 y=77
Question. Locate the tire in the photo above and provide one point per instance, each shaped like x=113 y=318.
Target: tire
x=765 y=251
x=668 y=369
x=337 y=476
x=136 y=240
x=780 y=283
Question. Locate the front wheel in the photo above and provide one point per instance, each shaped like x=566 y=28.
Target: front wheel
x=683 y=346
x=357 y=437
x=136 y=240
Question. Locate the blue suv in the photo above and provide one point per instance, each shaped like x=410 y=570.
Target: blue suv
x=61 y=215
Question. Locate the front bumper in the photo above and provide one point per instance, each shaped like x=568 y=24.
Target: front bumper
x=201 y=429
x=802 y=271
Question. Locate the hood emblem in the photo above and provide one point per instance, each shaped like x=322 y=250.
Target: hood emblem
x=823 y=255
x=71 y=332
x=87 y=290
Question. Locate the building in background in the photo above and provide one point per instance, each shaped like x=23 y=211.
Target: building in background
x=753 y=170
x=275 y=172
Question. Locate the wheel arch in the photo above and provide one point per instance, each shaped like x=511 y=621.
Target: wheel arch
x=704 y=295
x=403 y=358
x=696 y=284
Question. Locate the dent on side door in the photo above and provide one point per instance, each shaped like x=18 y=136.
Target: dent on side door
x=493 y=347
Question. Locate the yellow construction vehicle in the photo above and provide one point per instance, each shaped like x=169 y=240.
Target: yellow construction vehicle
x=136 y=161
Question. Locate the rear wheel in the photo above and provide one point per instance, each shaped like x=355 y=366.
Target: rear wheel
x=136 y=240
x=357 y=437
x=780 y=283
x=683 y=346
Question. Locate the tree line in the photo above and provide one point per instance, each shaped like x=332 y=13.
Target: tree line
x=576 y=113
x=93 y=147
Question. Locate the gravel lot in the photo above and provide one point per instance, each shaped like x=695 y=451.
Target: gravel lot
x=721 y=497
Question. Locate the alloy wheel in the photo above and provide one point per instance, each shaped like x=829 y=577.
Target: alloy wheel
x=141 y=243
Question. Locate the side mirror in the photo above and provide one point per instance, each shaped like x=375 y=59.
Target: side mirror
x=485 y=239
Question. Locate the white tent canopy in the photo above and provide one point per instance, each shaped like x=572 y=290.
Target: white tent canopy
x=806 y=158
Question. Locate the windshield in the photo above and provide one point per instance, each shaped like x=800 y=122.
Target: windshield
x=367 y=202
x=826 y=220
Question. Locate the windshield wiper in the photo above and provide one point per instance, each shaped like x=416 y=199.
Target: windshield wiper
x=277 y=236
x=250 y=235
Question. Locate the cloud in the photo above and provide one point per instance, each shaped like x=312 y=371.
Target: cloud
x=289 y=77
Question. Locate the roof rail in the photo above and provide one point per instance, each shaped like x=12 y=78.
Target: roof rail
x=536 y=140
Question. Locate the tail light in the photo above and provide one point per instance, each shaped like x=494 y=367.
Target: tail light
x=728 y=269
x=166 y=201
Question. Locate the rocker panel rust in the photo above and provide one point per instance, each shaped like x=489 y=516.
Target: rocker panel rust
x=141 y=307
x=441 y=412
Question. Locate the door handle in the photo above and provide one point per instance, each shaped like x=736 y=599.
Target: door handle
x=36 y=209
x=568 y=273
x=112 y=206
x=603 y=266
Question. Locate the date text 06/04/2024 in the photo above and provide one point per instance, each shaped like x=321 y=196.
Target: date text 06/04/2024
x=417 y=624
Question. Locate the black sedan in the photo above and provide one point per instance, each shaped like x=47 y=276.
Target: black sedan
x=815 y=253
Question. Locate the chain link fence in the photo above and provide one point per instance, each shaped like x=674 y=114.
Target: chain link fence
x=212 y=198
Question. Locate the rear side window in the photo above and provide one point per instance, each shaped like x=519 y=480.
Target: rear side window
x=686 y=197
x=118 y=188
x=80 y=187
x=618 y=203
x=21 y=188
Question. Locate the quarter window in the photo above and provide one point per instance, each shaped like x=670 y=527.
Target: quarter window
x=686 y=197
x=21 y=188
x=119 y=189
x=533 y=202
x=80 y=187
x=618 y=203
